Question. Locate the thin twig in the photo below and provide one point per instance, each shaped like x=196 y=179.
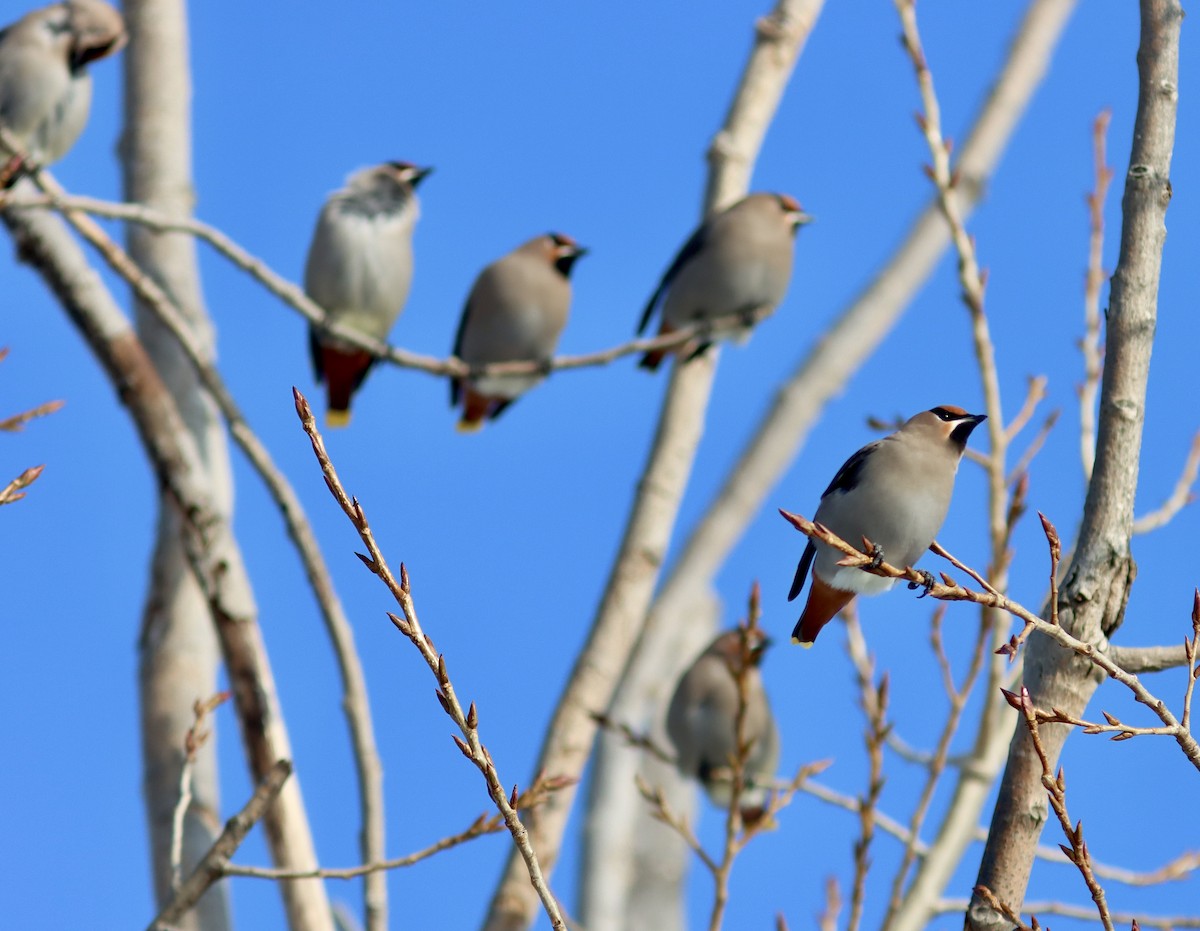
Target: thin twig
x=827 y=920
x=749 y=636
x=970 y=277
x=958 y=697
x=1093 y=354
x=293 y=295
x=1083 y=912
x=1181 y=496
x=662 y=812
x=949 y=590
x=1056 y=790
x=874 y=699
x=1034 y=394
x=1034 y=447
x=17 y=421
x=211 y=867
x=481 y=826
x=195 y=738
x=409 y=625
x=13 y=490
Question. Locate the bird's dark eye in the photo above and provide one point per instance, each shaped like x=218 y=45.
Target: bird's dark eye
x=944 y=414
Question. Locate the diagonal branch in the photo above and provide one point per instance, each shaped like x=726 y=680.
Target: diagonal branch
x=209 y=545
x=1095 y=588
x=355 y=701
x=621 y=614
x=212 y=867
x=409 y=625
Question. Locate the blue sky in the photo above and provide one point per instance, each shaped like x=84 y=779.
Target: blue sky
x=591 y=119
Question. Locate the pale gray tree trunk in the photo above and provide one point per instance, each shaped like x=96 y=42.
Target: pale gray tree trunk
x=1095 y=589
x=179 y=654
x=178 y=650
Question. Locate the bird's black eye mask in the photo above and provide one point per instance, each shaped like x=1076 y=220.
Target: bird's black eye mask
x=962 y=432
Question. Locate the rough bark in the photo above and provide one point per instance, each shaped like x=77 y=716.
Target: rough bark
x=178 y=649
x=1096 y=586
x=820 y=376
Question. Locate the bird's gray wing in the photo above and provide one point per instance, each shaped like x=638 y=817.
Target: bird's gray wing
x=691 y=248
x=850 y=472
x=456 y=383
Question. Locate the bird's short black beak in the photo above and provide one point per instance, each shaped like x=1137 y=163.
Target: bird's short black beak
x=962 y=432
x=420 y=175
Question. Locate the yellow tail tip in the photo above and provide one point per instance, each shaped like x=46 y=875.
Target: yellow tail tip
x=807 y=644
x=469 y=426
x=337 y=418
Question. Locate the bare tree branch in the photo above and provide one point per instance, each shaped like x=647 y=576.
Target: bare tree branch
x=622 y=611
x=212 y=866
x=467 y=721
x=1181 y=496
x=1093 y=354
x=294 y=296
x=355 y=702
x=1096 y=587
x=1056 y=789
x=211 y=550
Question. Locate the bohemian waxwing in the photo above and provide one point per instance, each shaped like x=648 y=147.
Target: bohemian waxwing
x=738 y=262
x=702 y=722
x=359 y=270
x=515 y=312
x=895 y=492
x=45 y=88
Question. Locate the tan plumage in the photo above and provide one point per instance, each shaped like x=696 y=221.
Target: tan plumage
x=515 y=312
x=45 y=88
x=895 y=492
x=359 y=269
x=702 y=722
x=738 y=262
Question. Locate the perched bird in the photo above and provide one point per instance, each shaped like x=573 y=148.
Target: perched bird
x=45 y=88
x=895 y=492
x=359 y=270
x=702 y=722
x=738 y=262
x=515 y=312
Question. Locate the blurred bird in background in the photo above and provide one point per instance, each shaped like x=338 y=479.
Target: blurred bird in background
x=702 y=722
x=738 y=263
x=515 y=312
x=45 y=88
x=359 y=269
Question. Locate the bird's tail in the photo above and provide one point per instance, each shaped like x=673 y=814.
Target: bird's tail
x=824 y=602
x=653 y=359
x=344 y=372
x=474 y=413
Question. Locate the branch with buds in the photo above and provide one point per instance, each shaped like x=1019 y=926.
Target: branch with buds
x=1056 y=790
x=949 y=590
x=408 y=624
